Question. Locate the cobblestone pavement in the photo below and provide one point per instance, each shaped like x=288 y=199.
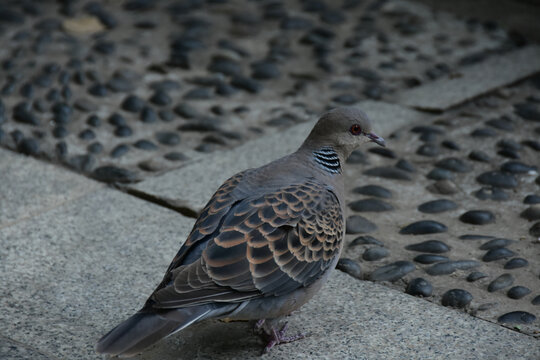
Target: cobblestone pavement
x=151 y=95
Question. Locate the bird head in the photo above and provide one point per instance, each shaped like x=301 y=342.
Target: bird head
x=344 y=129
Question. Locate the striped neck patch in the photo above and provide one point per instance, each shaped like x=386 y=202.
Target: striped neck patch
x=327 y=159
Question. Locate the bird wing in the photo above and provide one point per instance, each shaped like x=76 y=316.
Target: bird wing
x=266 y=245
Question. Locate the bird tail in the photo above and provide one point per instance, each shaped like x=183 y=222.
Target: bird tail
x=145 y=328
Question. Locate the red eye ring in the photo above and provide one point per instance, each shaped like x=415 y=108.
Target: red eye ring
x=356 y=129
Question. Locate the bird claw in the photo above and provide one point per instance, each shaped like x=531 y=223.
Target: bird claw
x=277 y=337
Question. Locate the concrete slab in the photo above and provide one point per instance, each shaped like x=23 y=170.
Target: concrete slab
x=352 y=319
x=72 y=272
x=473 y=81
x=13 y=350
x=29 y=186
x=191 y=186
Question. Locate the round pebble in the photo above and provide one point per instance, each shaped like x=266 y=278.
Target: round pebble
x=95 y=148
x=448 y=267
x=419 y=287
x=375 y=253
x=517 y=292
x=449 y=144
x=495 y=244
x=429 y=258
x=148 y=115
x=350 y=267
x=516 y=263
x=168 y=138
x=534 y=231
x=133 y=104
x=429 y=150
x=476 y=275
x=517 y=317
x=531 y=199
x=475 y=237
x=456 y=298
x=160 y=98
x=370 y=205
x=28 y=146
x=500 y=282
x=87 y=134
x=175 y=156
x=429 y=246
x=423 y=227
x=453 y=164
x=517 y=167
x=405 y=165
x=145 y=145
x=531 y=213
x=483 y=132
x=497 y=254
x=123 y=131
x=437 y=206
x=373 y=190
x=245 y=83
x=491 y=193
x=498 y=179
x=443 y=187
x=365 y=240
x=388 y=173
x=503 y=123
x=480 y=156
x=357 y=224
x=440 y=174
x=477 y=217
x=116 y=120
x=110 y=174
x=533 y=144
x=119 y=151
x=94 y=121
x=392 y=272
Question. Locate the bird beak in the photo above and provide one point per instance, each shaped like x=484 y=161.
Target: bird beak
x=376 y=139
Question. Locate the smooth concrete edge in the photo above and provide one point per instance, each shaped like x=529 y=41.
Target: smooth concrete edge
x=473 y=81
x=192 y=185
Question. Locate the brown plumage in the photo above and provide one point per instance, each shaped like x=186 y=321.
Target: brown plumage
x=263 y=245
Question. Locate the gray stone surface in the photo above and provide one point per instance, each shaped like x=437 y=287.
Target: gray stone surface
x=472 y=81
x=29 y=186
x=191 y=186
x=70 y=274
x=13 y=350
x=351 y=319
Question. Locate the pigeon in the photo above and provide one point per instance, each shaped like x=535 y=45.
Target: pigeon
x=261 y=248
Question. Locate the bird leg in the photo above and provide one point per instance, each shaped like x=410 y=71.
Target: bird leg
x=276 y=337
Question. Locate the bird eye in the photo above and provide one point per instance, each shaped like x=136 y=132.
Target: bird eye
x=356 y=129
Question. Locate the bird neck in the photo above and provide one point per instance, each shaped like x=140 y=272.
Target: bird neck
x=327 y=159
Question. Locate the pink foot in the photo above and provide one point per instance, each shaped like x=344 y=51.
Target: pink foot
x=277 y=337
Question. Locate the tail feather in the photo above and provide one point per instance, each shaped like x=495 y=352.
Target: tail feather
x=145 y=328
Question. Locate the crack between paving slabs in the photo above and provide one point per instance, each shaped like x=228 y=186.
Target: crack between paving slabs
x=175 y=205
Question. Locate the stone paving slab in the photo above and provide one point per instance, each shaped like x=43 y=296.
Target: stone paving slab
x=28 y=186
x=15 y=351
x=69 y=274
x=352 y=319
x=93 y=273
x=191 y=186
x=472 y=81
